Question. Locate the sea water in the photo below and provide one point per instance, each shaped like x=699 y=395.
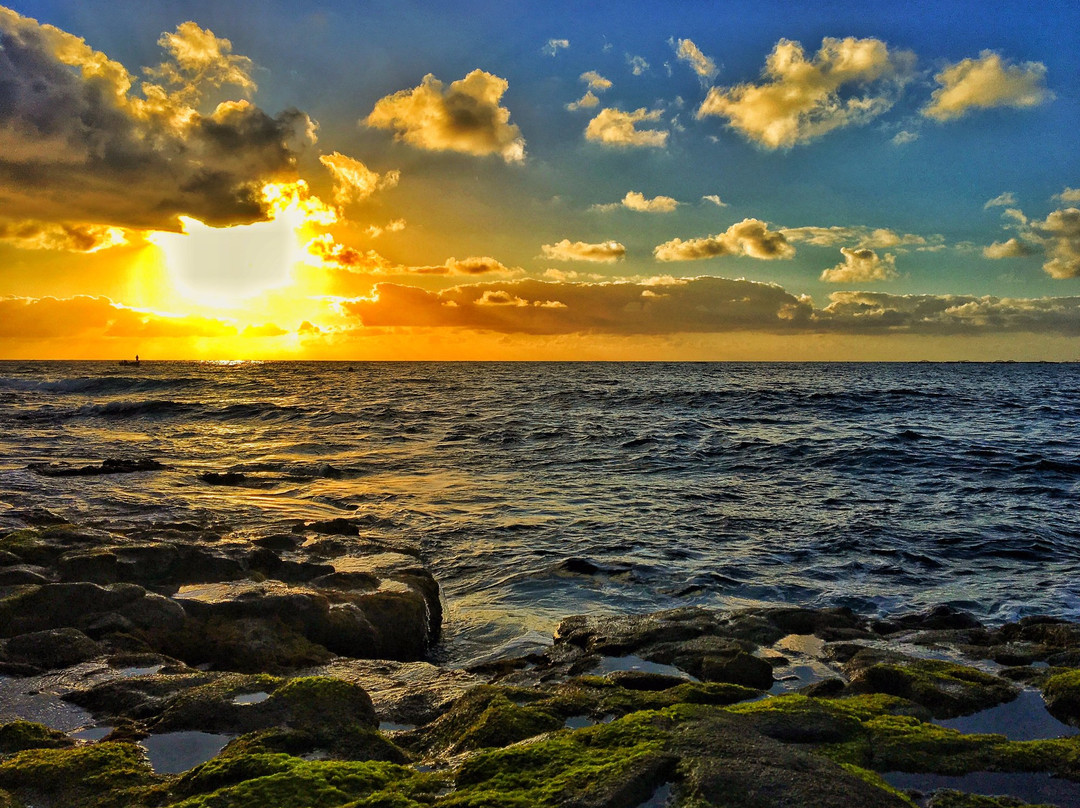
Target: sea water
x=538 y=490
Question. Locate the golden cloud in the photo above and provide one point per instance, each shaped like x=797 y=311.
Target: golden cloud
x=98 y=317
x=861 y=266
x=464 y=117
x=354 y=181
x=1060 y=232
x=613 y=127
x=587 y=101
x=1069 y=195
x=1013 y=248
x=750 y=237
x=540 y=307
x=702 y=65
x=73 y=119
x=81 y=238
x=800 y=99
x=637 y=201
x=984 y=83
x=595 y=81
x=860 y=236
x=606 y=252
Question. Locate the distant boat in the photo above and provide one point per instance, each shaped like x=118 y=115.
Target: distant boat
x=130 y=363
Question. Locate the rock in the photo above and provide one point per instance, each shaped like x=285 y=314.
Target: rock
x=18 y=736
x=939 y=617
x=1062 y=694
x=945 y=688
x=24 y=574
x=54 y=648
x=739 y=668
x=110 y=465
x=223 y=478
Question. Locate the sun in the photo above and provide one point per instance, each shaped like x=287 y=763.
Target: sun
x=222 y=267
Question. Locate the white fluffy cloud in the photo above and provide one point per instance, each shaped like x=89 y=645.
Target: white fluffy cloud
x=465 y=117
x=1068 y=196
x=613 y=127
x=861 y=266
x=750 y=237
x=354 y=181
x=638 y=66
x=987 y=82
x=715 y=199
x=606 y=252
x=687 y=51
x=1004 y=200
x=800 y=99
x=553 y=46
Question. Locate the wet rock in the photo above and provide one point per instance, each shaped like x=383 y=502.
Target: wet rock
x=939 y=617
x=1062 y=694
x=250 y=619
x=24 y=574
x=404 y=692
x=111 y=465
x=55 y=648
x=18 y=736
x=945 y=688
x=80 y=604
x=223 y=478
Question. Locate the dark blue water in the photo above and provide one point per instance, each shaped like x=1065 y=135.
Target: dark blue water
x=884 y=487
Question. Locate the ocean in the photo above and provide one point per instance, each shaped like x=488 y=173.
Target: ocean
x=539 y=490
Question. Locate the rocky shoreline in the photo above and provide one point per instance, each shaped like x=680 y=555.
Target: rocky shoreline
x=176 y=666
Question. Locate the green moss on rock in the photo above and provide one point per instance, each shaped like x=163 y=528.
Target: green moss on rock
x=1062 y=694
x=102 y=775
x=945 y=688
x=287 y=782
x=21 y=735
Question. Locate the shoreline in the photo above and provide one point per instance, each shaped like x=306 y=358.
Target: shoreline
x=154 y=666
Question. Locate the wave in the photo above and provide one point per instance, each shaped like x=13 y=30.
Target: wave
x=100 y=385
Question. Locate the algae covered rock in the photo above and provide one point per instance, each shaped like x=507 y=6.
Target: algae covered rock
x=101 y=775
x=1062 y=694
x=947 y=689
x=18 y=736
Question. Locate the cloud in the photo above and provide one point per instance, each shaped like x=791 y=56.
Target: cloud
x=393 y=226
x=1013 y=248
x=354 y=181
x=613 y=127
x=866 y=312
x=904 y=136
x=984 y=83
x=1069 y=195
x=200 y=59
x=859 y=236
x=86 y=317
x=475 y=265
x=750 y=237
x=595 y=81
x=715 y=199
x=541 y=307
x=553 y=46
x=861 y=266
x=638 y=66
x=464 y=117
x=635 y=200
x=606 y=252
x=587 y=101
x=801 y=100
x=1006 y=199
x=79 y=238
x=1060 y=232
x=688 y=52
x=134 y=153
x=335 y=255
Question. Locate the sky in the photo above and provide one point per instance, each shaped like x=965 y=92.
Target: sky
x=540 y=180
